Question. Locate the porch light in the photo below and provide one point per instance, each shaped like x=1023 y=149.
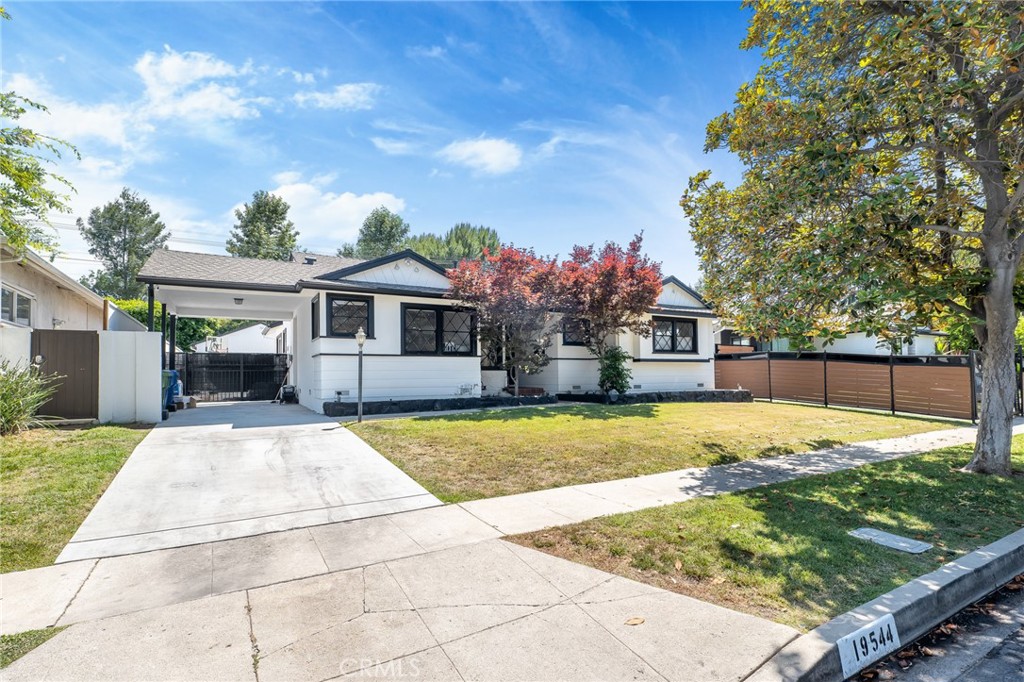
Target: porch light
x=238 y=301
x=360 y=337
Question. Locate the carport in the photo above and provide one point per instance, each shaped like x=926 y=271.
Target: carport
x=229 y=470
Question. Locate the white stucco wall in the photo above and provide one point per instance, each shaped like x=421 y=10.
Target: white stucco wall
x=387 y=374
x=574 y=370
x=15 y=343
x=53 y=306
x=861 y=343
x=129 y=377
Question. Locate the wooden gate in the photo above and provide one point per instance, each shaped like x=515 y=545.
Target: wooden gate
x=74 y=355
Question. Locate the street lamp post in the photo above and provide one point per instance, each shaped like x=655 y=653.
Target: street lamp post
x=360 y=340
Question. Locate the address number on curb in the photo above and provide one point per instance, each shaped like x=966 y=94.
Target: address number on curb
x=865 y=646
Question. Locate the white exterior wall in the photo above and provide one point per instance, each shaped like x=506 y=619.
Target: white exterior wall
x=863 y=344
x=574 y=370
x=387 y=374
x=247 y=340
x=15 y=343
x=53 y=307
x=302 y=374
x=129 y=377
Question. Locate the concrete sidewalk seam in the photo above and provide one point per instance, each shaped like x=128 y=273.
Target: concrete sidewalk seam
x=95 y=562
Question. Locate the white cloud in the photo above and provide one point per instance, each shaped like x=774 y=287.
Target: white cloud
x=349 y=97
x=302 y=78
x=392 y=146
x=325 y=219
x=420 y=51
x=69 y=120
x=489 y=155
x=191 y=86
x=509 y=85
x=170 y=72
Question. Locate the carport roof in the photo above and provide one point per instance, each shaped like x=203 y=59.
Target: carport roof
x=166 y=266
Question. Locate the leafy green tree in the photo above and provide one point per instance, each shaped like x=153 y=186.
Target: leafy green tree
x=28 y=191
x=382 y=233
x=461 y=242
x=263 y=229
x=122 y=235
x=883 y=183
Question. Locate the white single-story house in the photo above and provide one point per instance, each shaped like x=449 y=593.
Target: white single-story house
x=420 y=344
x=678 y=355
x=108 y=362
x=253 y=338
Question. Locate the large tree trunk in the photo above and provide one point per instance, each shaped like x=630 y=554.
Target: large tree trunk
x=998 y=385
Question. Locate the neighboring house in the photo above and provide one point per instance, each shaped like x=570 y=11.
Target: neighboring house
x=254 y=338
x=34 y=294
x=108 y=364
x=678 y=355
x=419 y=345
x=859 y=343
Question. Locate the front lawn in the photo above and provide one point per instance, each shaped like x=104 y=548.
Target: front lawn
x=501 y=452
x=50 y=479
x=13 y=647
x=782 y=552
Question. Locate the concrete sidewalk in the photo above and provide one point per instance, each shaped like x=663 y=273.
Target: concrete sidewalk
x=486 y=611
x=87 y=590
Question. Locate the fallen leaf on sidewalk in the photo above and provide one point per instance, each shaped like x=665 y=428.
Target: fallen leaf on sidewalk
x=637 y=620
x=679 y=565
x=927 y=652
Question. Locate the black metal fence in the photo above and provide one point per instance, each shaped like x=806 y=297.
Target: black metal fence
x=231 y=376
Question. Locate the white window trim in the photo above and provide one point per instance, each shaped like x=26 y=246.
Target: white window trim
x=32 y=309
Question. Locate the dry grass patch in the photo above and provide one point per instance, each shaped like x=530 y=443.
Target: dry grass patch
x=50 y=479
x=782 y=551
x=502 y=452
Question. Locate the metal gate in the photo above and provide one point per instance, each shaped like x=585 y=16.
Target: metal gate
x=74 y=355
x=215 y=377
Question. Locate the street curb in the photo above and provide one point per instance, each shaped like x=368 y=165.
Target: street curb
x=917 y=607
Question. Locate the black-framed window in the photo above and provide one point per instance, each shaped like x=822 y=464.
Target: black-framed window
x=674 y=336
x=437 y=330
x=315 y=311
x=575 y=332
x=346 y=314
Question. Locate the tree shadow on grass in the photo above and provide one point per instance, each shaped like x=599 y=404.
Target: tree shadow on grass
x=591 y=411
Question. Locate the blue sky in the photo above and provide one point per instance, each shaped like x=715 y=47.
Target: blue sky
x=555 y=124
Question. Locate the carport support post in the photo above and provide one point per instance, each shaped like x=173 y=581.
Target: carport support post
x=174 y=329
x=163 y=337
x=151 y=307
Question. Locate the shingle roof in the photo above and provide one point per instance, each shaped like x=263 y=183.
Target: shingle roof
x=166 y=265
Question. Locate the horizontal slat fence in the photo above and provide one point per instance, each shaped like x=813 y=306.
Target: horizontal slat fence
x=937 y=385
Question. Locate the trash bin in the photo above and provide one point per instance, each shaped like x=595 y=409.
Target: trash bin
x=168 y=387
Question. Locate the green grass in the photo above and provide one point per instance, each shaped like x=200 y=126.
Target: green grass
x=502 y=452
x=782 y=551
x=13 y=647
x=50 y=479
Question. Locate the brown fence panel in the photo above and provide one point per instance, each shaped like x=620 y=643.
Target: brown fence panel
x=751 y=374
x=859 y=384
x=74 y=355
x=801 y=380
x=928 y=389
x=723 y=348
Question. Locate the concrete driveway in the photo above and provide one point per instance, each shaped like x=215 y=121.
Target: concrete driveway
x=230 y=470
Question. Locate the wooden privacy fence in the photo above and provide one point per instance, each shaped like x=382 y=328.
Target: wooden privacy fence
x=938 y=385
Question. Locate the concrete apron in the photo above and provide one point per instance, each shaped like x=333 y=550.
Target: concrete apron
x=489 y=610
x=231 y=470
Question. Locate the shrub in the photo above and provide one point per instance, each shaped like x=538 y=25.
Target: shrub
x=23 y=390
x=613 y=374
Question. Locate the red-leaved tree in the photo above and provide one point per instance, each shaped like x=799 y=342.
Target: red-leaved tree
x=607 y=292
x=513 y=293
